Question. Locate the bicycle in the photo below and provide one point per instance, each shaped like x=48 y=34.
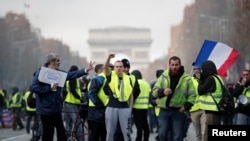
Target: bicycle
x=75 y=134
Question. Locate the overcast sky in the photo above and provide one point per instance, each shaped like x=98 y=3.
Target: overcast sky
x=70 y=20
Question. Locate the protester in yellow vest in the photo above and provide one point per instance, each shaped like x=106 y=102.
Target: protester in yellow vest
x=140 y=108
x=16 y=105
x=176 y=95
x=120 y=100
x=209 y=86
x=98 y=100
x=154 y=111
x=72 y=103
x=30 y=112
x=197 y=115
x=242 y=94
x=136 y=91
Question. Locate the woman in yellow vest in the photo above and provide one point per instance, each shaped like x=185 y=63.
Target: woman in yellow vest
x=209 y=85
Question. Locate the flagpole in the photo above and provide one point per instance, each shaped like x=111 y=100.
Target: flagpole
x=192 y=70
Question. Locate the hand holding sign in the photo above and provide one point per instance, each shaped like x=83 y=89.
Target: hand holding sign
x=51 y=76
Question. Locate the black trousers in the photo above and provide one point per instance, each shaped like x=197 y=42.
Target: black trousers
x=141 y=123
x=97 y=131
x=49 y=122
x=17 y=118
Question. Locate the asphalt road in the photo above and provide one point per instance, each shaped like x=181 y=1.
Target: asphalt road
x=7 y=134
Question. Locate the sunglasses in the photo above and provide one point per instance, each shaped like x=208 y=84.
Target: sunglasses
x=56 y=60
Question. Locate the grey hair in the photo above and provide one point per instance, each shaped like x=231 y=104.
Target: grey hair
x=51 y=57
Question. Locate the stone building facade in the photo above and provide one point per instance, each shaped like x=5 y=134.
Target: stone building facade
x=131 y=43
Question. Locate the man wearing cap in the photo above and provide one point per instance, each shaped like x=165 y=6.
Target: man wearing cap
x=134 y=81
x=48 y=99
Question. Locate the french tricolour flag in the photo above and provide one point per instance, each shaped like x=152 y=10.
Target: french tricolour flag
x=221 y=54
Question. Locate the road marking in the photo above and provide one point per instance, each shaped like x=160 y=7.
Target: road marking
x=13 y=138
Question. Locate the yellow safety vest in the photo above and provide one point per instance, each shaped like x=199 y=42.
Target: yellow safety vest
x=125 y=90
x=2 y=93
x=142 y=101
x=16 y=103
x=246 y=92
x=150 y=105
x=196 y=106
x=101 y=94
x=184 y=90
x=25 y=97
x=157 y=111
x=70 y=97
x=132 y=78
x=206 y=101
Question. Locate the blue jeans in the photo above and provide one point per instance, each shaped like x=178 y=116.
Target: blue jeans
x=242 y=119
x=152 y=119
x=171 y=125
x=70 y=117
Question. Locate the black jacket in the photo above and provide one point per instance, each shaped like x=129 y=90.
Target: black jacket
x=207 y=81
x=238 y=90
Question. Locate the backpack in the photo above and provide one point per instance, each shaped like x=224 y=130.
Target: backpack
x=226 y=104
x=31 y=100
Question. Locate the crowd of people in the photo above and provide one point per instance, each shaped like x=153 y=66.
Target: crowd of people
x=116 y=99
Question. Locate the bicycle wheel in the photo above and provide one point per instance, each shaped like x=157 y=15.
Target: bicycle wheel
x=80 y=131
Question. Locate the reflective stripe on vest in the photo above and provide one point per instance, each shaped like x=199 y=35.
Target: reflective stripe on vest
x=206 y=101
x=16 y=103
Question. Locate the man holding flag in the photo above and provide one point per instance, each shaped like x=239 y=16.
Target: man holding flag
x=221 y=54
x=214 y=59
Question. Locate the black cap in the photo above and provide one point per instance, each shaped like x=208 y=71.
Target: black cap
x=126 y=63
x=15 y=89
